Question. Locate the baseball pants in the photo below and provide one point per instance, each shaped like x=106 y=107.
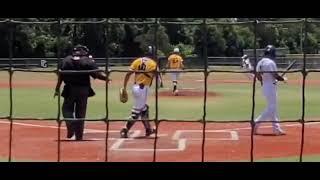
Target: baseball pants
x=75 y=107
x=271 y=111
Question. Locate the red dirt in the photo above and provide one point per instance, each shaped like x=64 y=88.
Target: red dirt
x=35 y=143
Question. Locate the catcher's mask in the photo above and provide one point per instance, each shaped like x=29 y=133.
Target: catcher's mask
x=80 y=50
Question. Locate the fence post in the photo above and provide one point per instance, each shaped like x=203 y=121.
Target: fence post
x=10 y=42
x=107 y=87
x=304 y=73
x=59 y=98
x=205 y=59
x=155 y=57
x=252 y=123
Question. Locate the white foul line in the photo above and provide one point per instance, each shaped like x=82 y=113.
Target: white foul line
x=47 y=126
x=95 y=130
x=181 y=142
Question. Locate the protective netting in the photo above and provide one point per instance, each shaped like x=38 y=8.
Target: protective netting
x=206 y=72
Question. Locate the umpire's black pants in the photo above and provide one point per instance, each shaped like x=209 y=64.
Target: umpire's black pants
x=75 y=106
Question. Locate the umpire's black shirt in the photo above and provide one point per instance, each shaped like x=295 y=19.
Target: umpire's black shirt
x=77 y=63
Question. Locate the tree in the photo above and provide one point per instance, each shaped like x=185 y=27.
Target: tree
x=146 y=39
x=216 y=44
x=233 y=44
x=38 y=40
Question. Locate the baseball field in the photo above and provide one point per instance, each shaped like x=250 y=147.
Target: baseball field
x=229 y=100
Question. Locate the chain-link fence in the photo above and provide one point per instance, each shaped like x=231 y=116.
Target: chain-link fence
x=195 y=64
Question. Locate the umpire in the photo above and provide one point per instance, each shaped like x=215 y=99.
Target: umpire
x=77 y=89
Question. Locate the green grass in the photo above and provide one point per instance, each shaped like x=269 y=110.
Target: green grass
x=4 y=159
x=308 y=158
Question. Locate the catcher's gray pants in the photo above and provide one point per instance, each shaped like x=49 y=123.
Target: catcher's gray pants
x=75 y=107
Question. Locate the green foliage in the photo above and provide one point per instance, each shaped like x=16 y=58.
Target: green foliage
x=147 y=39
x=40 y=40
x=185 y=49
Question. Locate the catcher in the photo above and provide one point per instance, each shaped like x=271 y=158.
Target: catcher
x=175 y=62
x=140 y=89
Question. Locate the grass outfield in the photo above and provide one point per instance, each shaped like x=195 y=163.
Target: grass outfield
x=309 y=158
x=233 y=102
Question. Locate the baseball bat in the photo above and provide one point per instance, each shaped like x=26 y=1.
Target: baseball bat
x=288 y=68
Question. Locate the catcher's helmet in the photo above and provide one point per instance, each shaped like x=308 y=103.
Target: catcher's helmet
x=80 y=50
x=270 y=51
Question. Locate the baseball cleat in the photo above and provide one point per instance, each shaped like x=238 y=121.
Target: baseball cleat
x=150 y=131
x=70 y=134
x=175 y=92
x=279 y=132
x=79 y=138
x=124 y=133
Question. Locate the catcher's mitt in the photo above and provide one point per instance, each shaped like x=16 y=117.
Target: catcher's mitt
x=123 y=95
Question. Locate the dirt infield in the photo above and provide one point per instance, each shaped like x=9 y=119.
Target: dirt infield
x=37 y=141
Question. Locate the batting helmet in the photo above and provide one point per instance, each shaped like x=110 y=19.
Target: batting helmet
x=270 y=51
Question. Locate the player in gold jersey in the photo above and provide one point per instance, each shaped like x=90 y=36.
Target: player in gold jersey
x=142 y=81
x=175 y=62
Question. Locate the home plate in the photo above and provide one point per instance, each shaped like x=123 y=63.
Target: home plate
x=200 y=80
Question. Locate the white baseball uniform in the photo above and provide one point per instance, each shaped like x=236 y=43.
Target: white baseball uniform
x=175 y=76
x=269 y=88
x=246 y=64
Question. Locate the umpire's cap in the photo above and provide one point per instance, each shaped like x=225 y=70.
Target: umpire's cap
x=270 y=50
x=80 y=50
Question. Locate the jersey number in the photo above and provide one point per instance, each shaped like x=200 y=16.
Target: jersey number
x=142 y=67
x=175 y=61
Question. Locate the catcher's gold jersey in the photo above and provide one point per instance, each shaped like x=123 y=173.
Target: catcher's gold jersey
x=175 y=61
x=143 y=64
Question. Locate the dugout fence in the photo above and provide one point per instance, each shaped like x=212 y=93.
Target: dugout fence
x=204 y=23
